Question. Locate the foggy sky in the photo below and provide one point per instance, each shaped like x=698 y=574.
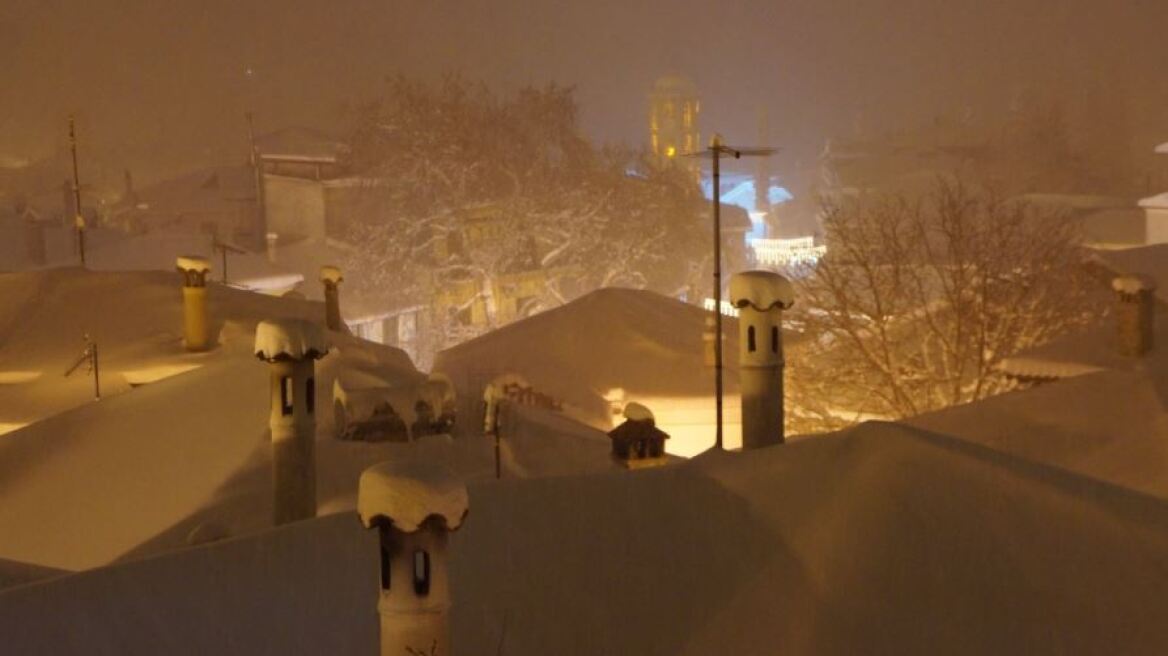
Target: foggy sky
x=164 y=83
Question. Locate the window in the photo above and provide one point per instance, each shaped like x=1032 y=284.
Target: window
x=384 y=567
x=310 y=394
x=286 y=395
x=421 y=573
x=774 y=339
x=383 y=531
x=750 y=346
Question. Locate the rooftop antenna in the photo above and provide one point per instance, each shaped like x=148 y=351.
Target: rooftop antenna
x=224 y=248
x=78 y=219
x=258 y=173
x=715 y=151
x=88 y=357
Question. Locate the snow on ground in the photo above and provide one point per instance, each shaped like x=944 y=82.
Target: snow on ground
x=646 y=344
x=879 y=539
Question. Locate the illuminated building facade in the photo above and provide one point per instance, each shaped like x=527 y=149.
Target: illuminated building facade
x=673 y=120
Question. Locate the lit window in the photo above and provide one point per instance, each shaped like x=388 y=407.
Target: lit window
x=421 y=573
x=286 y=395
x=750 y=339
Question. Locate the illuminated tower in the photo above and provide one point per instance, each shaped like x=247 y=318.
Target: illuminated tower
x=673 y=119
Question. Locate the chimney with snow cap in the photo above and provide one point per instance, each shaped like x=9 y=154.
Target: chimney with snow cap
x=414 y=506
x=332 y=278
x=761 y=297
x=195 y=331
x=291 y=347
x=272 y=239
x=1135 y=313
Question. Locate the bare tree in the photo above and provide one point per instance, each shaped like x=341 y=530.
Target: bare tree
x=918 y=299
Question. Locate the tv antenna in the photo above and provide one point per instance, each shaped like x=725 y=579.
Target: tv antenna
x=88 y=358
x=716 y=150
x=224 y=248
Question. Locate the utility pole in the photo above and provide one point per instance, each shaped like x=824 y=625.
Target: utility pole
x=258 y=172
x=79 y=218
x=715 y=151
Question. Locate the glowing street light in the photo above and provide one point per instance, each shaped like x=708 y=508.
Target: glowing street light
x=715 y=152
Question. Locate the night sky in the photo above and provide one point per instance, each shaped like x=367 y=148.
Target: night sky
x=164 y=87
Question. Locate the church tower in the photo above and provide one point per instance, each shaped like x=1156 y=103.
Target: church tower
x=673 y=120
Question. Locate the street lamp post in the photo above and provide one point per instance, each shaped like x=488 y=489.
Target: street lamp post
x=715 y=152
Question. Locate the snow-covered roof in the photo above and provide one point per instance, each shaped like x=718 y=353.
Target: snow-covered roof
x=1162 y=148
x=1133 y=284
x=293 y=339
x=1148 y=261
x=757 y=533
x=331 y=273
x=762 y=290
x=1157 y=202
x=195 y=263
x=409 y=492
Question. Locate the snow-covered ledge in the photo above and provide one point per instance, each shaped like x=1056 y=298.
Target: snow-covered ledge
x=408 y=493
x=290 y=339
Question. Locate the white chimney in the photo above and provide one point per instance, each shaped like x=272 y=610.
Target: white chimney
x=291 y=347
x=414 y=506
x=761 y=297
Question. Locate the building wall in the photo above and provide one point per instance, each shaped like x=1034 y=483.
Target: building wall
x=1157 y=222
x=294 y=207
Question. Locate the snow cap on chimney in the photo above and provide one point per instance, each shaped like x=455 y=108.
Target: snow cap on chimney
x=408 y=493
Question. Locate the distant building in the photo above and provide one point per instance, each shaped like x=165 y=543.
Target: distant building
x=1156 y=211
x=219 y=201
x=673 y=120
x=306 y=182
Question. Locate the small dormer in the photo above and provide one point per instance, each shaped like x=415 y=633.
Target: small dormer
x=637 y=442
